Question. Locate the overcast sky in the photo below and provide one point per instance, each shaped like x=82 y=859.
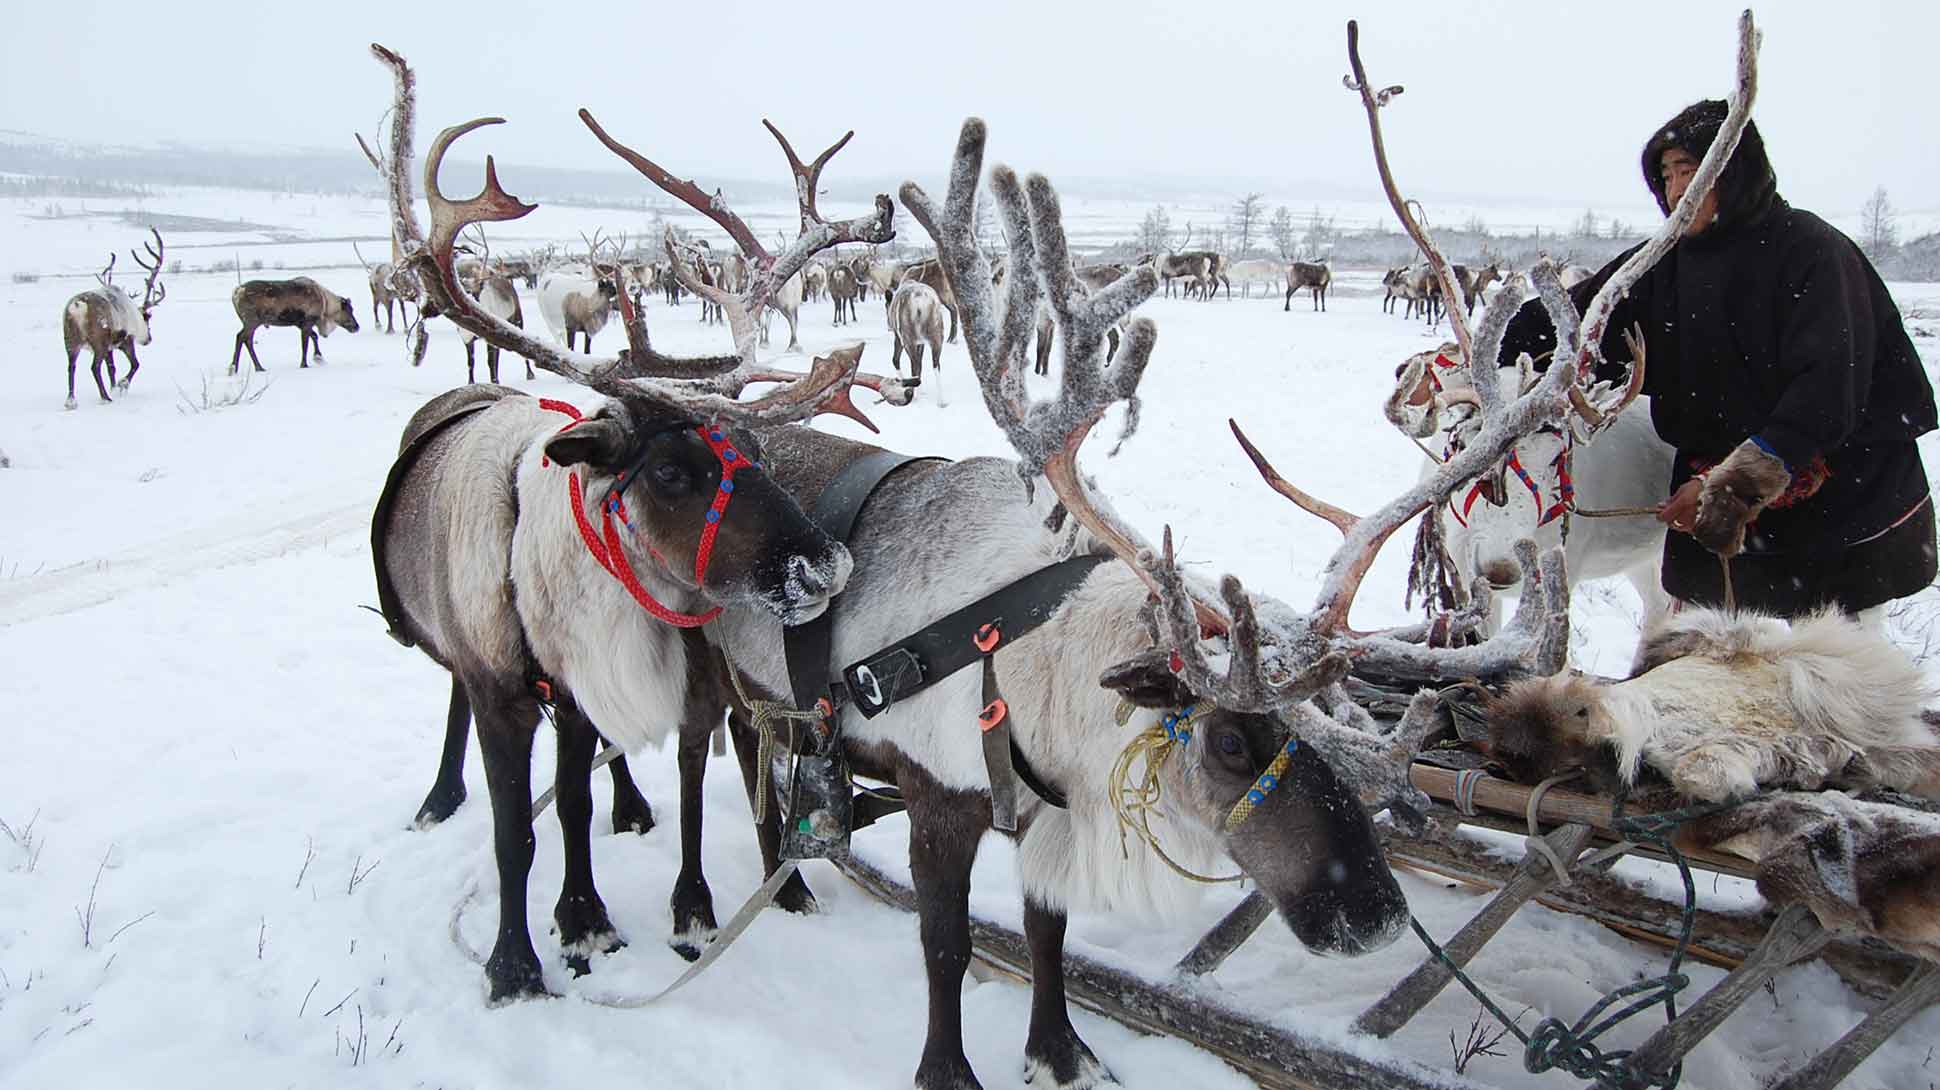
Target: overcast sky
x=1525 y=102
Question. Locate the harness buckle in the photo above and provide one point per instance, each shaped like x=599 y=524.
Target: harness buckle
x=875 y=683
x=992 y=714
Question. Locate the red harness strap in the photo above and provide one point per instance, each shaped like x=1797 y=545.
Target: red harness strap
x=605 y=545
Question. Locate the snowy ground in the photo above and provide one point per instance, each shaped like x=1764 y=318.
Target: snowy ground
x=206 y=875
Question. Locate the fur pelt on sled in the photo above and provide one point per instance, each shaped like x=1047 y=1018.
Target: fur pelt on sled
x=1863 y=868
x=1724 y=704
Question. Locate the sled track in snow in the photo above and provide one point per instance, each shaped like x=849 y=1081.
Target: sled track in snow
x=96 y=580
x=1271 y=1055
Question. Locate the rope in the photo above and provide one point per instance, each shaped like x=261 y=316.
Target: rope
x=766 y=714
x=1572 y=1047
x=1534 y=841
x=1135 y=799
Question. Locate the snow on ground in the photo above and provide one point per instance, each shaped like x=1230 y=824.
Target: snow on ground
x=212 y=754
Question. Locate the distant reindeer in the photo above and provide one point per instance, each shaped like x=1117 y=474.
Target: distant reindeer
x=1474 y=280
x=916 y=318
x=1314 y=276
x=842 y=291
x=815 y=281
x=384 y=291
x=106 y=318
x=1258 y=270
x=860 y=265
x=787 y=301
x=1394 y=284
x=575 y=302
x=1573 y=275
x=496 y=297
x=313 y=309
x=930 y=271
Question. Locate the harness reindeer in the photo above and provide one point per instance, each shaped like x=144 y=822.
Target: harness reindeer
x=488 y=559
x=105 y=318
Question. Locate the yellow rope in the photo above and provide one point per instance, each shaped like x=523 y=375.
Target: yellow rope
x=766 y=713
x=1134 y=789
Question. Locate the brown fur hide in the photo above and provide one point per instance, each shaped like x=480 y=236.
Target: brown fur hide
x=1863 y=868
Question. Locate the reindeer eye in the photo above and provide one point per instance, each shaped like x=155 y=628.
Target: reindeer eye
x=1582 y=713
x=669 y=478
x=1229 y=744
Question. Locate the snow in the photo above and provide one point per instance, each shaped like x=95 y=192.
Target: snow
x=212 y=754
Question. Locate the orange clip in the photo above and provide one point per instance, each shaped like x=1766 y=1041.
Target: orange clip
x=825 y=708
x=987 y=637
x=992 y=714
x=544 y=689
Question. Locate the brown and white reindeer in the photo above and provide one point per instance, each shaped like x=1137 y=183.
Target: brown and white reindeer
x=496 y=296
x=1393 y=283
x=577 y=301
x=488 y=559
x=815 y=281
x=929 y=271
x=842 y=292
x=916 y=321
x=105 y=318
x=1315 y=276
x=314 y=310
x=1268 y=763
x=383 y=294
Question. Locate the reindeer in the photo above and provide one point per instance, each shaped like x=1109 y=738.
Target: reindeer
x=314 y=310
x=574 y=302
x=815 y=281
x=1473 y=281
x=1194 y=264
x=1533 y=491
x=916 y=319
x=929 y=271
x=788 y=300
x=383 y=292
x=842 y=291
x=496 y=297
x=1394 y=286
x=482 y=563
x=859 y=266
x=1257 y=270
x=884 y=276
x=105 y=318
x=1314 y=276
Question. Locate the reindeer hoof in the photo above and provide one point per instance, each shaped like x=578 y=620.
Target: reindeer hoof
x=71 y=403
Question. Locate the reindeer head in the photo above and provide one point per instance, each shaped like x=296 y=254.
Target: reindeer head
x=693 y=500
x=1307 y=842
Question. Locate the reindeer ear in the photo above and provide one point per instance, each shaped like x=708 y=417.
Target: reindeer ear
x=597 y=441
x=1147 y=680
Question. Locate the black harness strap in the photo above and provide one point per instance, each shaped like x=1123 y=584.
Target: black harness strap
x=389 y=607
x=808 y=646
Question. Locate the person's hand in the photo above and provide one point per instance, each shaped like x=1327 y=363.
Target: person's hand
x=1680 y=511
x=1734 y=492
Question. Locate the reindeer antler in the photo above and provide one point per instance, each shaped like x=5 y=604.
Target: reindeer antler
x=154 y=291
x=822 y=388
x=1045 y=434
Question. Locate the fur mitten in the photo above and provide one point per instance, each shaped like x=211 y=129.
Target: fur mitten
x=1734 y=492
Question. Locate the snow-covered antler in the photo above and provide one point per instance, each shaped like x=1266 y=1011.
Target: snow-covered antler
x=1046 y=434
x=706 y=386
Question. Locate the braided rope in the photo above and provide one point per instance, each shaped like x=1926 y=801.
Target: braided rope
x=1135 y=796
x=766 y=714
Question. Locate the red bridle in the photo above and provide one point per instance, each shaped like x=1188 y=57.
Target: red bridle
x=605 y=545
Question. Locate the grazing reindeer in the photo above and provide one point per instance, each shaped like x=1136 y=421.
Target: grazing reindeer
x=916 y=319
x=1314 y=276
x=487 y=560
x=842 y=292
x=575 y=303
x=105 y=318
x=314 y=310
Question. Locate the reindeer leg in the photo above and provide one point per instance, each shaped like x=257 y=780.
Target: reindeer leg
x=96 y=369
x=506 y=724
x=1053 y=1046
x=134 y=365
x=584 y=927
x=944 y=828
x=448 y=790
x=528 y=369
x=1288 y=305
x=72 y=358
x=692 y=902
x=303 y=344
x=631 y=811
x=951 y=307
x=471 y=362
x=109 y=356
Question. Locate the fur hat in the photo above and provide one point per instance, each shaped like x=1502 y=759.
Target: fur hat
x=1746 y=190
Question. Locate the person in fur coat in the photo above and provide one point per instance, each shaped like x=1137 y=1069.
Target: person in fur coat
x=1780 y=371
